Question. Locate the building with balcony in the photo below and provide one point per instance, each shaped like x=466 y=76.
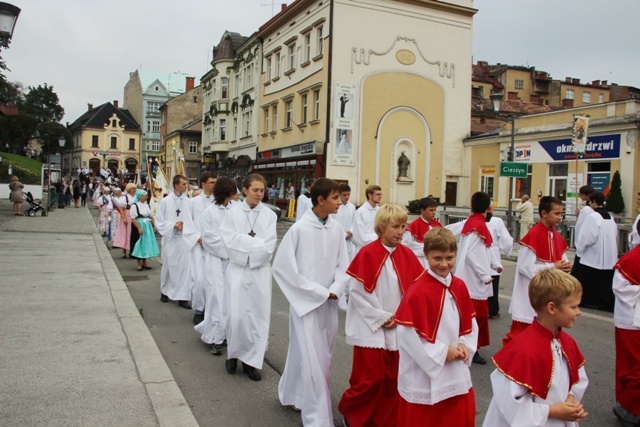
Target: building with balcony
x=144 y=93
x=104 y=136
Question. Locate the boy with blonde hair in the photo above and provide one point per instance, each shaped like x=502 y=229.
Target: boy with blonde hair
x=437 y=336
x=381 y=272
x=540 y=375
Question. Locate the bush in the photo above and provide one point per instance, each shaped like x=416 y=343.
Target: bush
x=412 y=207
x=615 y=202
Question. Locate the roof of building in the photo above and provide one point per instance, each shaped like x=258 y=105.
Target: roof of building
x=228 y=45
x=99 y=116
x=175 y=82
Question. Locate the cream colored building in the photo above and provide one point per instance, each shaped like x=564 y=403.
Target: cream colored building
x=357 y=89
x=543 y=143
x=104 y=136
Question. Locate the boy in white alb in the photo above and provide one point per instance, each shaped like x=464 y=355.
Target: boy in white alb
x=363 y=232
x=437 y=334
x=345 y=215
x=310 y=268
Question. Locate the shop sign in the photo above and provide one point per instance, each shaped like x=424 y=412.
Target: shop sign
x=597 y=147
x=514 y=170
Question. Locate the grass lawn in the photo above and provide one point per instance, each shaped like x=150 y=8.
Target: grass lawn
x=26 y=169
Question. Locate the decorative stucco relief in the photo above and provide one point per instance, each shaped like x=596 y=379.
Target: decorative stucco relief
x=362 y=56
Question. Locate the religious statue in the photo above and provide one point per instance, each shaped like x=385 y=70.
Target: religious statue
x=403 y=167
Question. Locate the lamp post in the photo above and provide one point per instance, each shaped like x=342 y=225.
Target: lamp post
x=496 y=100
x=8 y=17
x=61 y=142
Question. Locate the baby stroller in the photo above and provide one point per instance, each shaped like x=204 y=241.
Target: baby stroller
x=35 y=205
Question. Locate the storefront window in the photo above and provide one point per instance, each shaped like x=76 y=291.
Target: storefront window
x=558 y=180
x=599 y=176
x=523 y=185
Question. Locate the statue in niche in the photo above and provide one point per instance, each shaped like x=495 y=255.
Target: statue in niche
x=403 y=167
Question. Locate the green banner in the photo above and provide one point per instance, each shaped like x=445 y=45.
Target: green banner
x=514 y=170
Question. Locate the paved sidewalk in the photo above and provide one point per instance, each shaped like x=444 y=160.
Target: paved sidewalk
x=75 y=350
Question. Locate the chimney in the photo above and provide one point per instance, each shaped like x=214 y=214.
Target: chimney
x=90 y=107
x=190 y=83
x=595 y=83
x=283 y=7
x=567 y=79
x=604 y=83
x=115 y=103
x=575 y=81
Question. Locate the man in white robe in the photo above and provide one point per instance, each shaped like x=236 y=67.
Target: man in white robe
x=310 y=268
x=249 y=234
x=199 y=204
x=179 y=238
x=363 y=232
x=304 y=203
x=344 y=216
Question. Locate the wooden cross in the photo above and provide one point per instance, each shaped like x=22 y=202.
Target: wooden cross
x=252 y=234
x=178 y=212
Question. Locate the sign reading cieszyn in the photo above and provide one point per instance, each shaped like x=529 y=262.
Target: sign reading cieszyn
x=514 y=170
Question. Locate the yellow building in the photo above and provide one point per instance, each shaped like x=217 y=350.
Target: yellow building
x=358 y=92
x=104 y=137
x=543 y=142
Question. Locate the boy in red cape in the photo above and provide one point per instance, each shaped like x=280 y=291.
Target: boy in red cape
x=475 y=263
x=414 y=236
x=437 y=334
x=382 y=272
x=540 y=377
x=542 y=247
x=626 y=316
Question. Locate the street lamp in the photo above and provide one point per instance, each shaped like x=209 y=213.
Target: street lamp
x=61 y=142
x=496 y=100
x=8 y=17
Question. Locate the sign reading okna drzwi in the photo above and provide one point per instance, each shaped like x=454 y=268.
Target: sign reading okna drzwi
x=514 y=170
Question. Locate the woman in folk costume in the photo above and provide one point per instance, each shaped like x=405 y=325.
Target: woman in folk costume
x=249 y=234
x=626 y=316
x=143 y=223
x=382 y=272
x=213 y=328
x=103 y=202
x=123 y=234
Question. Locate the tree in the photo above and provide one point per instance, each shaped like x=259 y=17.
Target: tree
x=49 y=134
x=42 y=103
x=615 y=202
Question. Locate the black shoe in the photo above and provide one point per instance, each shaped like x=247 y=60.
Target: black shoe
x=164 y=298
x=217 y=350
x=197 y=318
x=478 y=359
x=618 y=411
x=231 y=365
x=251 y=372
x=185 y=304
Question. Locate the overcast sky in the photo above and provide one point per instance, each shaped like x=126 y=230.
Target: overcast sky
x=86 y=49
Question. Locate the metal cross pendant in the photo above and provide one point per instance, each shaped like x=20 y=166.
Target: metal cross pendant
x=178 y=212
x=252 y=234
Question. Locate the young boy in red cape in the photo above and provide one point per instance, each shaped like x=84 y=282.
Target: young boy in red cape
x=540 y=376
x=414 y=236
x=382 y=272
x=626 y=316
x=437 y=334
x=542 y=247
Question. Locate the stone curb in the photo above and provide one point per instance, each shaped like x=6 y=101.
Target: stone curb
x=167 y=400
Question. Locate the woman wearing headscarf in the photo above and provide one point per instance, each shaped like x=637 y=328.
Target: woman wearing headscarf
x=16 y=195
x=145 y=244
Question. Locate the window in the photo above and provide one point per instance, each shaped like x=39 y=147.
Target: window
x=269 y=69
x=523 y=185
x=519 y=84
x=275 y=117
x=156 y=126
x=316 y=102
x=266 y=120
x=278 y=63
x=113 y=123
x=153 y=107
x=153 y=145
x=288 y=113
x=114 y=142
x=292 y=56
x=303 y=119
x=235 y=128
x=599 y=175
x=307 y=47
x=94 y=140
x=248 y=77
x=223 y=130
x=586 y=97
x=193 y=147
x=600 y=98
x=558 y=180
x=569 y=94
x=224 y=87
x=486 y=184
x=237 y=85
x=320 y=42
x=132 y=143
x=246 y=120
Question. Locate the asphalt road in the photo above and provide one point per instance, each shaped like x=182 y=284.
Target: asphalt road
x=217 y=398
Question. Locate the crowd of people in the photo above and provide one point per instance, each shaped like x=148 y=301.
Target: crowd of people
x=418 y=298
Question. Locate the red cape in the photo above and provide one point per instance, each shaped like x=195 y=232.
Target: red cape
x=478 y=223
x=368 y=263
x=419 y=227
x=629 y=266
x=545 y=248
x=528 y=359
x=421 y=308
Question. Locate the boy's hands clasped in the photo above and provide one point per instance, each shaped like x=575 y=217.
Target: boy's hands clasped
x=458 y=353
x=569 y=410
